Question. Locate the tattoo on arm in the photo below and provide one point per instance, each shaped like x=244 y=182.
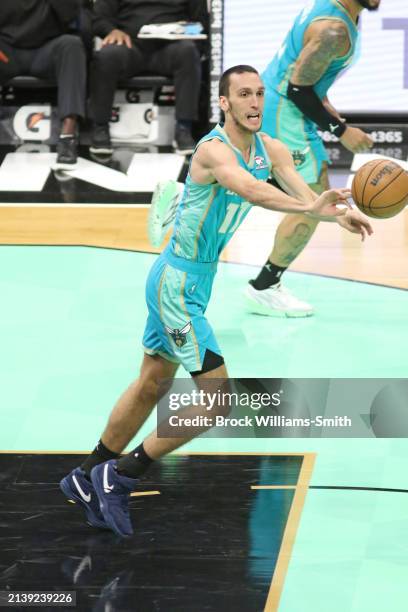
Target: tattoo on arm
x=330 y=43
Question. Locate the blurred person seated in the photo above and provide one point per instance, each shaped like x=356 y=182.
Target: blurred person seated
x=124 y=55
x=34 y=41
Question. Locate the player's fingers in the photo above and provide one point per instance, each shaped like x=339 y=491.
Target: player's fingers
x=337 y=194
x=344 y=201
x=344 y=192
x=368 y=228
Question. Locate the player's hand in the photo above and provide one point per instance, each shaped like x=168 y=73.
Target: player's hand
x=355 y=223
x=355 y=140
x=326 y=203
x=117 y=37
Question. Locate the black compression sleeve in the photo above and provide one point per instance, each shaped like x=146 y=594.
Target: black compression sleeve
x=307 y=101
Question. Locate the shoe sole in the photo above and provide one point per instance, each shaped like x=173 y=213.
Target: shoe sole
x=62 y=166
x=69 y=494
x=98 y=486
x=102 y=151
x=255 y=308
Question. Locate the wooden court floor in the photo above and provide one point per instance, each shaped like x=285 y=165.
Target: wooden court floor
x=381 y=259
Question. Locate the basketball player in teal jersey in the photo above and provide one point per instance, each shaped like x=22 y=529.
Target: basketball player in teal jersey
x=228 y=170
x=319 y=46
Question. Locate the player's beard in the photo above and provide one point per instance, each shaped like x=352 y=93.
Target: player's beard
x=238 y=123
x=366 y=4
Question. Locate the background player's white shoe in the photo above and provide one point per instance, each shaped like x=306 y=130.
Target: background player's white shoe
x=276 y=301
x=162 y=210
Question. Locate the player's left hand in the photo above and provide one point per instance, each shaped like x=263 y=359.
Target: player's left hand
x=355 y=223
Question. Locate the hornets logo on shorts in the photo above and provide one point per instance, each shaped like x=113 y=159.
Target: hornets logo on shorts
x=179 y=335
x=298 y=157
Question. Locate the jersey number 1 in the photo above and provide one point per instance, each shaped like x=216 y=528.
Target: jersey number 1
x=231 y=211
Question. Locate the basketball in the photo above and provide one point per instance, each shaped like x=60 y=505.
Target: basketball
x=380 y=188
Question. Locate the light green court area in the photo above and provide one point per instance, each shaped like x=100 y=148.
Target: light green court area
x=71 y=326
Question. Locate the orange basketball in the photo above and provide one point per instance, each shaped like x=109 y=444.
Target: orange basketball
x=380 y=188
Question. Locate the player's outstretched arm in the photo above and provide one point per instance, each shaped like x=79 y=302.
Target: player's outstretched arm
x=292 y=182
x=215 y=162
x=283 y=169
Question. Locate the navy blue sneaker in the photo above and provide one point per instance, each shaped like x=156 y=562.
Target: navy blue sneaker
x=77 y=487
x=113 y=491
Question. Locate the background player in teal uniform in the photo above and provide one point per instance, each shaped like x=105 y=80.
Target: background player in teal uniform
x=319 y=46
x=228 y=170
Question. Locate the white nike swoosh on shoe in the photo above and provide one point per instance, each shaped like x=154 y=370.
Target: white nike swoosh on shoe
x=85 y=497
x=106 y=486
x=86 y=564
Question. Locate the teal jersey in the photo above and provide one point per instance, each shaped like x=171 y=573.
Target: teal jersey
x=278 y=72
x=208 y=215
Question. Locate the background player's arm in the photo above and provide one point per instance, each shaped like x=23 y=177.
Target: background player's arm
x=324 y=42
x=290 y=180
x=329 y=106
x=215 y=161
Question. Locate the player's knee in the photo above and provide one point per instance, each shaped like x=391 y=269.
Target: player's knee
x=223 y=405
x=148 y=392
x=218 y=396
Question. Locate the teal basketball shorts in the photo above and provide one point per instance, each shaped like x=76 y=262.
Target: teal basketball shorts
x=283 y=120
x=177 y=295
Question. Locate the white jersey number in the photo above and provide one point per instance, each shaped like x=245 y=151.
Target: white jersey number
x=228 y=226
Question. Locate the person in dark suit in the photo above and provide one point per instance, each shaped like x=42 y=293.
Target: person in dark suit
x=35 y=40
x=123 y=55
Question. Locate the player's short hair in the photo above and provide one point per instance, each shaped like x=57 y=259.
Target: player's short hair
x=223 y=89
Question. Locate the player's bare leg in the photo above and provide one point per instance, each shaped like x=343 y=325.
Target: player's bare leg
x=156 y=446
x=127 y=417
x=295 y=231
x=265 y=294
x=114 y=480
x=137 y=402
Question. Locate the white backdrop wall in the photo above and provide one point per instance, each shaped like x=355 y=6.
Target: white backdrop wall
x=378 y=82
